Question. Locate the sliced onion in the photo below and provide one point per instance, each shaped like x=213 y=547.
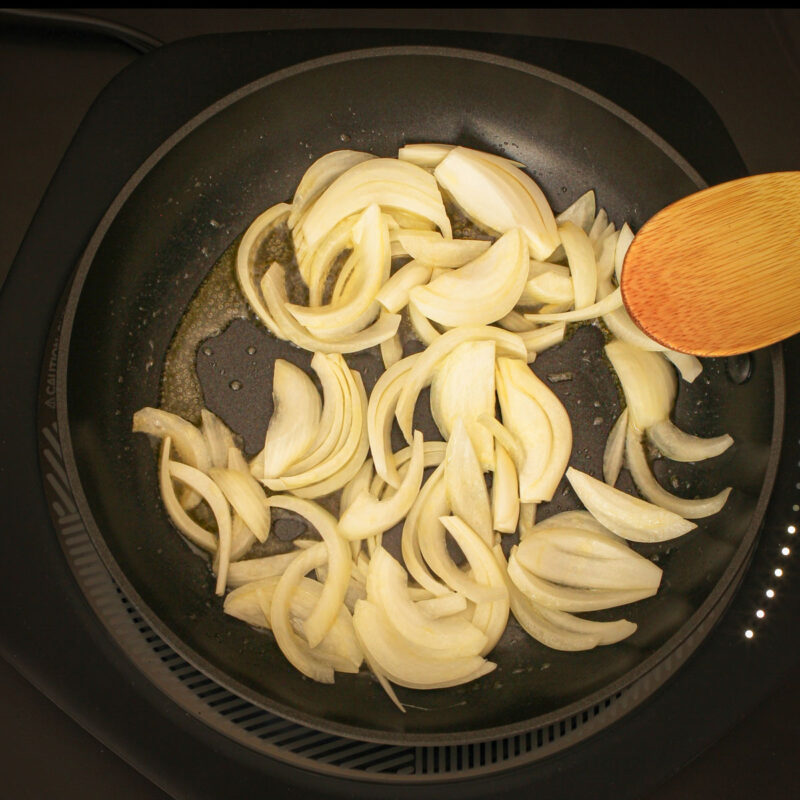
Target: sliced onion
x=391 y=350
x=586 y=560
x=505 y=494
x=680 y=446
x=615 y=449
x=195 y=533
x=186 y=439
x=647 y=484
x=421 y=373
x=627 y=516
x=427 y=155
x=393 y=295
x=367 y=516
x=581 y=212
x=361 y=481
x=387 y=588
x=582 y=264
x=294 y=423
x=647 y=380
x=210 y=492
x=480 y=292
x=547 y=285
x=321 y=618
x=245 y=494
x=463 y=388
x=421 y=325
x=598 y=309
x=445 y=606
x=218 y=436
x=432 y=249
x=319 y=176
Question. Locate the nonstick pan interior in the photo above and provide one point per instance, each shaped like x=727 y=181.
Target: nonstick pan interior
x=183 y=210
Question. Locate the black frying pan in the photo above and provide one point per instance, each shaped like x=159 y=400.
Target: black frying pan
x=186 y=206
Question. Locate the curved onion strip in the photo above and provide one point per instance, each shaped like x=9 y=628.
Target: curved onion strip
x=211 y=493
x=356 y=308
x=604 y=306
x=245 y=494
x=609 y=632
x=182 y=521
x=547 y=287
x=582 y=212
x=393 y=295
x=339 y=476
x=330 y=370
x=409 y=541
x=380 y=415
x=256 y=569
x=494 y=199
x=353 y=427
x=433 y=250
x=615 y=449
x=623 y=243
x=680 y=446
x=480 y=292
x=647 y=484
x=339 y=564
x=366 y=515
x=408 y=664
x=321 y=260
x=296 y=651
x=605 y=260
x=530 y=617
x=437 y=607
x=319 y=176
x=504 y=437
x=433 y=455
x=465 y=486
x=577 y=518
x=565 y=598
x=422 y=326
x=426 y=155
x=258 y=231
x=387 y=588
x=433 y=546
x=647 y=380
x=218 y=437
x=361 y=481
x=420 y=375
x=530 y=425
x=383 y=181
x=490 y=617
x=391 y=349
x=629 y=517
x=462 y=389
x=294 y=423
x=582 y=264
x=505 y=494
x=275 y=295
x=242 y=541
x=688 y=365
x=186 y=438
x=586 y=560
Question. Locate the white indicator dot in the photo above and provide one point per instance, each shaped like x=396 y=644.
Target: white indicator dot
x=791 y=529
x=795 y=507
x=748 y=633
x=770 y=593
x=785 y=551
x=778 y=572
x=760 y=613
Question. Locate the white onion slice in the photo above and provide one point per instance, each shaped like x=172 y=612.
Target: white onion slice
x=294 y=423
x=480 y=292
x=186 y=438
x=387 y=588
x=463 y=388
x=368 y=516
x=319 y=176
x=582 y=264
x=321 y=618
x=541 y=339
x=245 y=494
x=218 y=436
x=582 y=212
x=614 y=451
x=505 y=493
x=391 y=349
x=445 y=606
x=211 y=493
x=256 y=569
x=566 y=598
x=586 y=560
x=427 y=155
x=647 y=380
x=393 y=295
x=432 y=249
x=627 y=516
x=647 y=484
x=598 y=309
x=361 y=481
x=680 y=446
x=195 y=533
x=507 y=343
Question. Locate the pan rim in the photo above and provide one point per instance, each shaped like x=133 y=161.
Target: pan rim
x=702 y=615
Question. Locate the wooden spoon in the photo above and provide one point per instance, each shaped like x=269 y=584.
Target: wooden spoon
x=718 y=272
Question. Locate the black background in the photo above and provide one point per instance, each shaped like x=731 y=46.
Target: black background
x=746 y=63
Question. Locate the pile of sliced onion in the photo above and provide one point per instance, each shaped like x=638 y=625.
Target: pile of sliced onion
x=374 y=243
